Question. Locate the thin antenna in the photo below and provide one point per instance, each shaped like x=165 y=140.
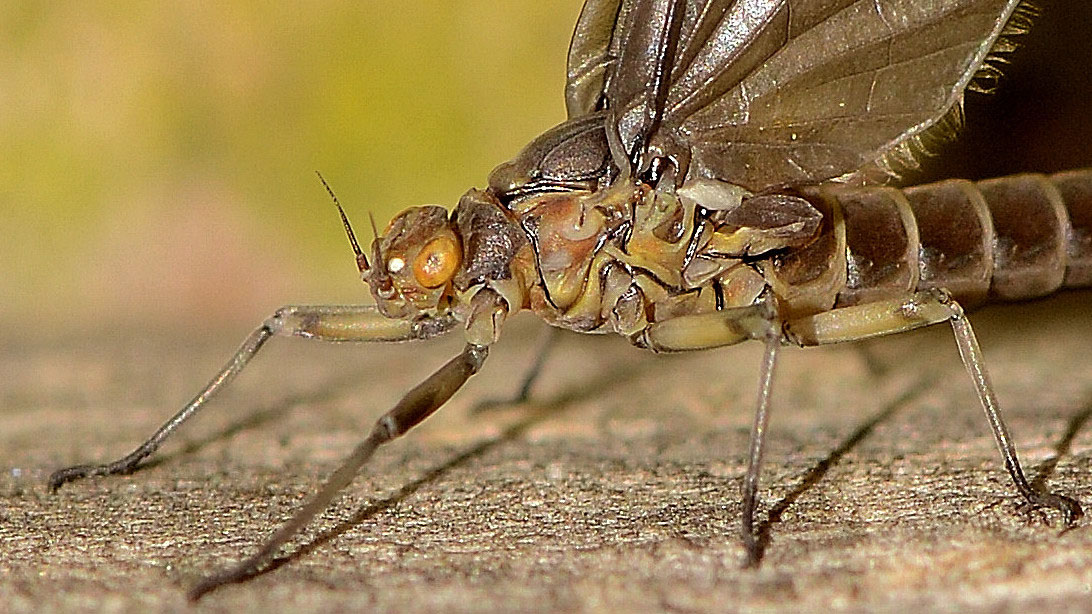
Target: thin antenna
x=375 y=230
x=375 y=236
x=361 y=259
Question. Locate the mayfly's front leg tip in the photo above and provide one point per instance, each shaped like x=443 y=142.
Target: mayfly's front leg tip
x=61 y=477
x=54 y=483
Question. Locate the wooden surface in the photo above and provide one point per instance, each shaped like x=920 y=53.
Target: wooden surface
x=615 y=489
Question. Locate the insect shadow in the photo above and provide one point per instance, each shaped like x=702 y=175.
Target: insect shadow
x=1061 y=449
x=818 y=471
x=257 y=418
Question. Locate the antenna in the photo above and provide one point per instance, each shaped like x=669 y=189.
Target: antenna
x=375 y=230
x=375 y=235
x=361 y=259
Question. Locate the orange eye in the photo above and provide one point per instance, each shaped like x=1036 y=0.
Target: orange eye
x=435 y=265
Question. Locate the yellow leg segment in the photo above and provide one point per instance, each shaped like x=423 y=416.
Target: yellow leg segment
x=872 y=319
x=709 y=330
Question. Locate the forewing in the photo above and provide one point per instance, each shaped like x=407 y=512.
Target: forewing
x=590 y=57
x=764 y=93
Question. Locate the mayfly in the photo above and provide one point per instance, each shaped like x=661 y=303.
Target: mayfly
x=720 y=178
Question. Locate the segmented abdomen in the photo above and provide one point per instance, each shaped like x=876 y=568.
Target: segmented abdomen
x=1010 y=238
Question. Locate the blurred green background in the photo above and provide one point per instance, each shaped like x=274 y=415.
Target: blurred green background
x=156 y=159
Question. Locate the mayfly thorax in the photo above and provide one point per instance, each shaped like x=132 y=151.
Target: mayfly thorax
x=721 y=177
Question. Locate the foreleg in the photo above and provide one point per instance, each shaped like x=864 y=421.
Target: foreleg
x=332 y=323
x=488 y=312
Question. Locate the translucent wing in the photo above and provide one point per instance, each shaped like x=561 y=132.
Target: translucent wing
x=590 y=56
x=764 y=93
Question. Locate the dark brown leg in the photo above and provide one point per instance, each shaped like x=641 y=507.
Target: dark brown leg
x=417 y=405
x=758 y=321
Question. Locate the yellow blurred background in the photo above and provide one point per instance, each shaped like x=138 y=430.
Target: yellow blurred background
x=157 y=159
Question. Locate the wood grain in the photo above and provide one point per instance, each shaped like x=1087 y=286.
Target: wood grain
x=615 y=489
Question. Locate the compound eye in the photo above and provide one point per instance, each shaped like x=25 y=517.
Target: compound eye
x=436 y=263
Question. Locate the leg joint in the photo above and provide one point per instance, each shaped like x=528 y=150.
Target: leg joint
x=475 y=356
